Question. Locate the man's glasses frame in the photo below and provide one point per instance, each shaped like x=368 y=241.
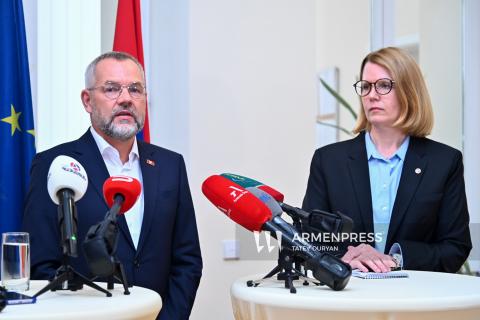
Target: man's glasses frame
x=382 y=86
x=113 y=90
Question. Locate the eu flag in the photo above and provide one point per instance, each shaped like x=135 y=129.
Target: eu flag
x=17 y=137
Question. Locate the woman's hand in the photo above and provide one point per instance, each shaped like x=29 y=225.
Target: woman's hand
x=365 y=258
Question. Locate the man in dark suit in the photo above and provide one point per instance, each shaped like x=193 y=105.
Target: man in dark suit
x=404 y=192
x=158 y=240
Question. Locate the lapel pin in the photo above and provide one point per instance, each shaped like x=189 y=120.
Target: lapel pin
x=418 y=171
x=151 y=162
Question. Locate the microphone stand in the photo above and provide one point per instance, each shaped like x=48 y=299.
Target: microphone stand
x=66 y=277
x=108 y=231
x=119 y=272
x=286 y=271
x=297 y=224
x=288 y=267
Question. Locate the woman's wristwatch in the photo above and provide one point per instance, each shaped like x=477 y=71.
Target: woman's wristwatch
x=398 y=259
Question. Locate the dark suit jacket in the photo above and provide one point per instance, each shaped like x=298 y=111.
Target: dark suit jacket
x=430 y=216
x=168 y=257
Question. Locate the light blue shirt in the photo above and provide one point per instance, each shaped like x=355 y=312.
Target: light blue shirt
x=384 y=180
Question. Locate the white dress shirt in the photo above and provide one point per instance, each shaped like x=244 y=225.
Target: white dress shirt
x=131 y=168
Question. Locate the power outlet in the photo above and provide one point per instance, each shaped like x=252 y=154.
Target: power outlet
x=231 y=249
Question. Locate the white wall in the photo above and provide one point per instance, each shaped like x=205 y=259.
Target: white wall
x=407 y=18
x=252 y=112
x=166 y=48
x=30 y=16
x=471 y=116
x=108 y=17
x=441 y=64
x=343 y=40
x=64 y=46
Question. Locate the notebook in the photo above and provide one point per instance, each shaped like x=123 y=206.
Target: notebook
x=378 y=275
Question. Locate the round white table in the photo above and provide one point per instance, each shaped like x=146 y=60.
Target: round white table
x=87 y=303
x=423 y=295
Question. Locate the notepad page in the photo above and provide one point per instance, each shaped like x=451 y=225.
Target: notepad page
x=379 y=275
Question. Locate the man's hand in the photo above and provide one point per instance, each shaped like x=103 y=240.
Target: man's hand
x=365 y=258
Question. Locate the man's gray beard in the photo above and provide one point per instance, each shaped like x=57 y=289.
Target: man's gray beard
x=123 y=132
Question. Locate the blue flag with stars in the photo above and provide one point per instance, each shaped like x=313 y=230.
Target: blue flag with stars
x=17 y=138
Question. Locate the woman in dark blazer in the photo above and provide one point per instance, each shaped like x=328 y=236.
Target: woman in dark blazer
x=404 y=192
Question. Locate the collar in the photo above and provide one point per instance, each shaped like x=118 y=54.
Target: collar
x=373 y=152
x=106 y=147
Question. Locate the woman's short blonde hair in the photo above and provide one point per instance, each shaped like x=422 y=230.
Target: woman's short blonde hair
x=416 y=114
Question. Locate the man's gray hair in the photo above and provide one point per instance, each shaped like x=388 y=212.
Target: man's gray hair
x=116 y=55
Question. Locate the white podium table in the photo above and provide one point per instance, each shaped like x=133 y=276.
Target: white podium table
x=86 y=304
x=424 y=295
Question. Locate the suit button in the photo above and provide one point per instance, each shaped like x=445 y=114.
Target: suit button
x=136 y=263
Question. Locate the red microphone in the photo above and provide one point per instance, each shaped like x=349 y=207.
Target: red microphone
x=236 y=202
x=246 y=209
x=100 y=244
x=277 y=195
x=122 y=192
x=249 y=182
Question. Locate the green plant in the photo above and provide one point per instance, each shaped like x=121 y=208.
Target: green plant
x=343 y=103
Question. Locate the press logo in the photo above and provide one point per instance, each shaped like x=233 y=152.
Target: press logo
x=122 y=178
x=75 y=169
x=236 y=193
x=268 y=238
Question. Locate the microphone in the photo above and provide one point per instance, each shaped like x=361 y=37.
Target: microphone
x=237 y=203
x=67 y=182
x=243 y=207
x=121 y=194
x=277 y=195
x=248 y=182
x=270 y=202
x=265 y=195
x=276 y=211
x=314 y=221
x=246 y=209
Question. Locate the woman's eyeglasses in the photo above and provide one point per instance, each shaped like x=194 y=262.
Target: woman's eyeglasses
x=382 y=86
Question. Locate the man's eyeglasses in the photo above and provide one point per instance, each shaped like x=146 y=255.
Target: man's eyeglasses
x=382 y=86
x=113 y=90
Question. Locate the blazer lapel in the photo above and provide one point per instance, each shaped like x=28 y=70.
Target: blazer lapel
x=359 y=174
x=150 y=183
x=97 y=173
x=412 y=173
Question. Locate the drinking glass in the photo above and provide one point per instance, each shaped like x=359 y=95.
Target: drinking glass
x=15 y=261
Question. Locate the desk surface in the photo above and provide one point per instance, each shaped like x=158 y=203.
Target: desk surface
x=87 y=304
x=421 y=293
